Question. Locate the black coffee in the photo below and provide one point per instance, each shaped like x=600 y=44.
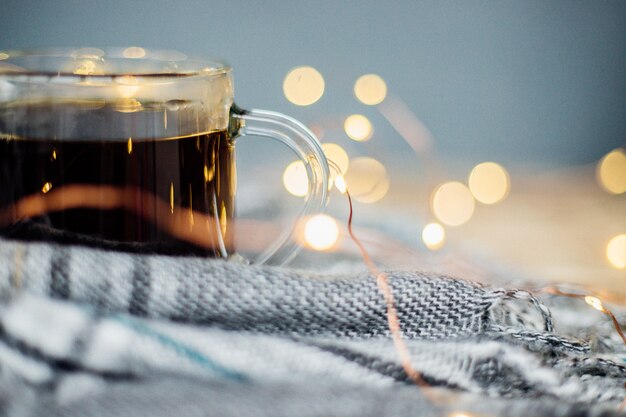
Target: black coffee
x=165 y=195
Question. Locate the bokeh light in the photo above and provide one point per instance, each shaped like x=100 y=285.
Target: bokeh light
x=134 y=52
x=616 y=251
x=595 y=303
x=377 y=194
x=338 y=156
x=340 y=183
x=370 y=89
x=453 y=203
x=489 y=182
x=367 y=180
x=321 y=232
x=46 y=187
x=295 y=179
x=434 y=236
x=358 y=127
x=303 y=86
x=611 y=171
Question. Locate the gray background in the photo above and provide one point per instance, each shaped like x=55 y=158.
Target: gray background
x=536 y=83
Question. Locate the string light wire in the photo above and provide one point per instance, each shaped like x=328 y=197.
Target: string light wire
x=392 y=313
x=382 y=280
x=593 y=301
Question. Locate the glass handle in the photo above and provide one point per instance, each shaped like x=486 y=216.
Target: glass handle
x=305 y=145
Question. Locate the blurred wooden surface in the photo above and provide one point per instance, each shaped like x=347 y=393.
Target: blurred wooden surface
x=552 y=227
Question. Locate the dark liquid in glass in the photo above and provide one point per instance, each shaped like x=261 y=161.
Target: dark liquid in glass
x=146 y=195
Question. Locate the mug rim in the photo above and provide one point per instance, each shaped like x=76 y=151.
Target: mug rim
x=197 y=65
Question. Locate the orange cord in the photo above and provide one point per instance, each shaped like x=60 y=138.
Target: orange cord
x=392 y=313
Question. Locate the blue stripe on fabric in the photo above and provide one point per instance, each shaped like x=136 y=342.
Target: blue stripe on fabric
x=182 y=349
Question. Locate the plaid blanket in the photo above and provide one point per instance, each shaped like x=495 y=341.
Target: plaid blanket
x=92 y=332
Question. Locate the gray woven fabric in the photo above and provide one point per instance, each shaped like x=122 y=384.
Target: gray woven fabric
x=248 y=297
x=94 y=332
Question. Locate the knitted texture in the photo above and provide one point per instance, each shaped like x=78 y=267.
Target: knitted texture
x=238 y=297
x=86 y=331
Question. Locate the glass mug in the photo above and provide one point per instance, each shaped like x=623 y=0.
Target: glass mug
x=133 y=149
